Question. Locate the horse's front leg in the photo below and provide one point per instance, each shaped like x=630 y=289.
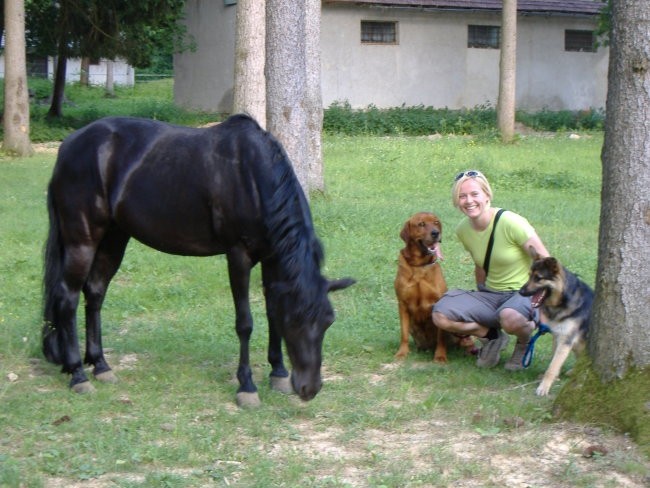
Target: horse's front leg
x=279 y=376
x=239 y=269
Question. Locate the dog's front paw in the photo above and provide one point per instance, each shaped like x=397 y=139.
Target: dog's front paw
x=402 y=352
x=440 y=359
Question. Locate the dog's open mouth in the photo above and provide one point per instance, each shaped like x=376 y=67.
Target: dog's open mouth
x=431 y=249
x=538 y=298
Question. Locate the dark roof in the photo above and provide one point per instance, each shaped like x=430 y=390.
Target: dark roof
x=564 y=7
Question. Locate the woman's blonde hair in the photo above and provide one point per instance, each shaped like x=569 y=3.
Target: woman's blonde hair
x=471 y=174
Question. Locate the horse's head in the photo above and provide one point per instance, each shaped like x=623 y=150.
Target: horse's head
x=303 y=316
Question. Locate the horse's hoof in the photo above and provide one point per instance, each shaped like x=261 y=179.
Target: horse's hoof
x=83 y=387
x=106 y=377
x=248 y=400
x=282 y=384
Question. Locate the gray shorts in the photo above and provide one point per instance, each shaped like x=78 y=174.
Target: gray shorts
x=483 y=306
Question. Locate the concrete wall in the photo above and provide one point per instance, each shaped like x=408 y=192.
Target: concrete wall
x=204 y=79
x=430 y=65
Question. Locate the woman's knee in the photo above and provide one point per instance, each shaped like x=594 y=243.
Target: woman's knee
x=440 y=320
x=512 y=321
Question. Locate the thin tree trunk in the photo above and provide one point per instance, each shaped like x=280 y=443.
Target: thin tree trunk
x=84 y=76
x=507 y=71
x=314 y=97
x=110 y=89
x=58 y=90
x=16 y=93
x=286 y=82
x=250 y=84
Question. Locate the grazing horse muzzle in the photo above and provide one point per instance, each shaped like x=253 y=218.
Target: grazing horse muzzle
x=306 y=385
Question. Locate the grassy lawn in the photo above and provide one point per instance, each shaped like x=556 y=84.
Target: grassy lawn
x=169 y=329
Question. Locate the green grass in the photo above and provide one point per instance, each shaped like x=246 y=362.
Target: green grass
x=168 y=327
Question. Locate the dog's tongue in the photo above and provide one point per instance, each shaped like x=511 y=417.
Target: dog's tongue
x=436 y=251
x=538 y=298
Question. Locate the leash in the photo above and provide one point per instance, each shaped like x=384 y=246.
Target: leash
x=542 y=329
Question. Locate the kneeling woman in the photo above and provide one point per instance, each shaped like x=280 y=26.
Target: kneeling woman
x=496 y=309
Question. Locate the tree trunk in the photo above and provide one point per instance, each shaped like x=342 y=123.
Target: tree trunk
x=620 y=338
x=289 y=100
x=507 y=71
x=250 y=85
x=619 y=342
x=16 y=93
x=58 y=90
x=110 y=88
x=84 y=76
x=314 y=97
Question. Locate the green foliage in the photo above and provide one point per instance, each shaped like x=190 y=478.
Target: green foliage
x=135 y=31
x=83 y=104
x=564 y=120
x=341 y=118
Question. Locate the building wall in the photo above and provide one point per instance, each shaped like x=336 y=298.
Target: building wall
x=430 y=65
x=204 y=79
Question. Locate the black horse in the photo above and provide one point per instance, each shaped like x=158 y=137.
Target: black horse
x=229 y=189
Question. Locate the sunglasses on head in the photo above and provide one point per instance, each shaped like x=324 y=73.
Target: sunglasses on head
x=469 y=174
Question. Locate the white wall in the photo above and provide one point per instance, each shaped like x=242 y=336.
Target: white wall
x=204 y=79
x=431 y=64
x=123 y=74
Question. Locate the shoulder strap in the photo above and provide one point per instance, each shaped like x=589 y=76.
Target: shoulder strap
x=488 y=252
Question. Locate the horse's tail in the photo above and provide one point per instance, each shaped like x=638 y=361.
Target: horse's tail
x=52 y=278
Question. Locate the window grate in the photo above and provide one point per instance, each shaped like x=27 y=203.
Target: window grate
x=373 y=32
x=484 y=36
x=579 y=40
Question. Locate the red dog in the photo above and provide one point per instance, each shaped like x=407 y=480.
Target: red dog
x=419 y=284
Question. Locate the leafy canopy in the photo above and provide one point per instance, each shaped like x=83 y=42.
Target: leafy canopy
x=105 y=28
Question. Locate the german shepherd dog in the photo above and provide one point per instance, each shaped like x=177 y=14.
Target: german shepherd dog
x=565 y=301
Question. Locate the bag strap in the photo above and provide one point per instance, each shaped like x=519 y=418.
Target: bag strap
x=488 y=252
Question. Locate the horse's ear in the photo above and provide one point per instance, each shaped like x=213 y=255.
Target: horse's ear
x=333 y=285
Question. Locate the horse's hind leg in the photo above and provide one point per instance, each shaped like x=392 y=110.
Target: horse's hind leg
x=76 y=265
x=106 y=263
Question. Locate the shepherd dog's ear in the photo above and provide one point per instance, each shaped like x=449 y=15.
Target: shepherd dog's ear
x=554 y=265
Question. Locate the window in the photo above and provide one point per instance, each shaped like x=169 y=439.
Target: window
x=579 y=40
x=378 y=32
x=484 y=36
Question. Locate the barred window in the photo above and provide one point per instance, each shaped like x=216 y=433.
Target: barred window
x=484 y=36
x=579 y=40
x=378 y=32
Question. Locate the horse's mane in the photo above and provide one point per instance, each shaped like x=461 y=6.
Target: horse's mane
x=295 y=246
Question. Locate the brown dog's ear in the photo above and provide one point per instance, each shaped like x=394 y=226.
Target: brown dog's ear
x=405 y=232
